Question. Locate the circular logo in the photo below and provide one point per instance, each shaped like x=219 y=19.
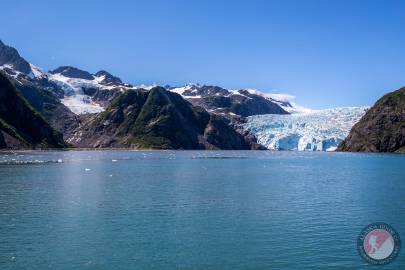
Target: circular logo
x=379 y=243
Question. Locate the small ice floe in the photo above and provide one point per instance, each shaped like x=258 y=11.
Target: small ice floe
x=110 y=175
x=60 y=161
x=114 y=160
x=25 y=162
x=87 y=169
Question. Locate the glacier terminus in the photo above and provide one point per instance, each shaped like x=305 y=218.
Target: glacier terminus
x=314 y=130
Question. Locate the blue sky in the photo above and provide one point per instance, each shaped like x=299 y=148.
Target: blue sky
x=326 y=53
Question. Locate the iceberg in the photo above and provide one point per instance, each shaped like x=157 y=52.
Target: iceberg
x=314 y=130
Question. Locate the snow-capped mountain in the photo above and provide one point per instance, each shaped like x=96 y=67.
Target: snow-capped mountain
x=79 y=87
x=226 y=102
x=11 y=59
x=83 y=92
x=285 y=101
x=316 y=130
x=63 y=94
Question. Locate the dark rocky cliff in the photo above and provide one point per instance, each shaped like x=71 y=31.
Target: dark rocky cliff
x=21 y=126
x=10 y=56
x=381 y=129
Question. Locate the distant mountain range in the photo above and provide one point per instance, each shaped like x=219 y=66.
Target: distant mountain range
x=99 y=110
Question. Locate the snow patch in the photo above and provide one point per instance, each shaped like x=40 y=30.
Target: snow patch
x=75 y=99
x=36 y=72
x=144 y=86
x=181 y=90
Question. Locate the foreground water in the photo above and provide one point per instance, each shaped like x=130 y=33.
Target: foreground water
x=195 y=210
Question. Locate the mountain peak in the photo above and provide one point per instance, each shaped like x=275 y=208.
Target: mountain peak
x=10 y=56
x=72 y=72
x=108 y=77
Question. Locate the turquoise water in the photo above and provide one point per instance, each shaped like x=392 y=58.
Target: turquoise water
x=195 y=210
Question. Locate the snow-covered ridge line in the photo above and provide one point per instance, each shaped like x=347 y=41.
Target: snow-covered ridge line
x=318 y=130
x=75 y=98
x=85 y=92
x=78 y=87
x=285 y=101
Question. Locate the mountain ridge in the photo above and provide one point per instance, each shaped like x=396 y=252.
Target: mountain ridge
x=21 y=126
x=70 y=98
x=157 y=119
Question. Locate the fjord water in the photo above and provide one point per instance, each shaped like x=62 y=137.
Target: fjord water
x=195 y=210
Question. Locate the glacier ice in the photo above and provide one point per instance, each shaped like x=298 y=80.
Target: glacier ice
x=81 y=104
x=316 y=130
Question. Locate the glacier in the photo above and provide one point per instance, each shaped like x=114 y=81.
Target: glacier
x=75 y=99
x=315 y=130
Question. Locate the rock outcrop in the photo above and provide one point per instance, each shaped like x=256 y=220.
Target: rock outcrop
x=381 y=129
x=21 y=126
x=10 y=56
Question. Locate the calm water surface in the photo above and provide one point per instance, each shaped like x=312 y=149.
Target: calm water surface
x=195 y=210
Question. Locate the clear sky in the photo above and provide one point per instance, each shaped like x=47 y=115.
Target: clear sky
x=326 y=53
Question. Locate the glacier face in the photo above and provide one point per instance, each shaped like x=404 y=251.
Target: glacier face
x=316 y=130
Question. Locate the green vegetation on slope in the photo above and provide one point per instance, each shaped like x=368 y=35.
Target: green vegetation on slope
x=157 y=119
x=20 y=124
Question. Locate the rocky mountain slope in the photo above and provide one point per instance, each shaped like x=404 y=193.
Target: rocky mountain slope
x=71 y=99
x=381 y=129
x=230 y=102
x=43 y=97
x=10 y=58
x=157 y=119
x=21 y=126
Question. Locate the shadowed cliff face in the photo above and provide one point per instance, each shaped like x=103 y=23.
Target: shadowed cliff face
x=9 y=56
x=42 y=98
x=381 y=129
x=157 y=119
x=21 y=126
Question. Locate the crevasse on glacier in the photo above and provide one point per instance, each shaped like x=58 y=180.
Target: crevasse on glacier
x=317 y=130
